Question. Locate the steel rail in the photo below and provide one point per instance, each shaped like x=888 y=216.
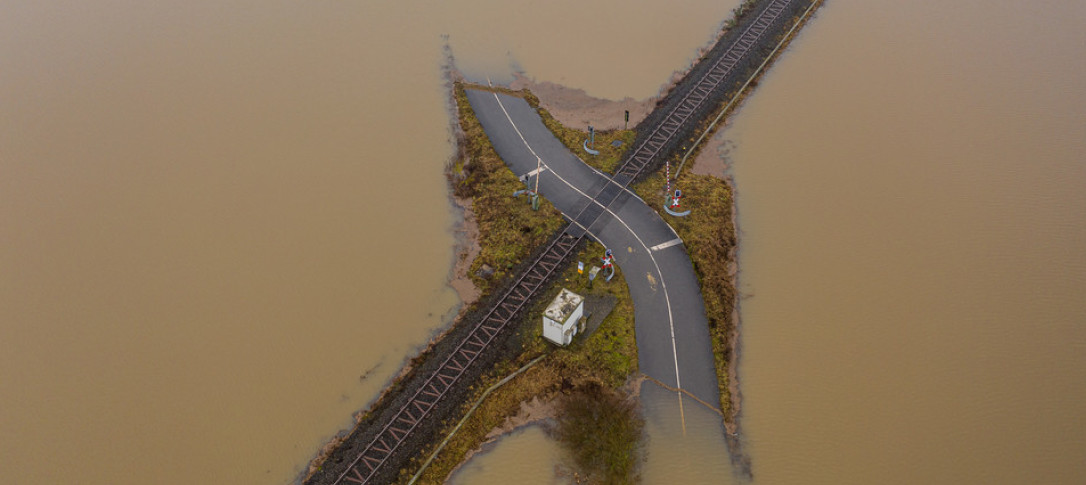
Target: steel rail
x=702 y=90
x=366 y=464
x=678 y=116
x=739 y=94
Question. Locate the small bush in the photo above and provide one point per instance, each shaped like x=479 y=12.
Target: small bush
x=602 y=431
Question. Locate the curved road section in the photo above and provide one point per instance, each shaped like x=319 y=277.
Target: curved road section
x=669 y=315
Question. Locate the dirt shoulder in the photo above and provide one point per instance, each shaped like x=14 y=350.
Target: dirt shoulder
x=467 y=249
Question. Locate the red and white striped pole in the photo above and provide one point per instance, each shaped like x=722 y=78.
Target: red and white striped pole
x=667 y=178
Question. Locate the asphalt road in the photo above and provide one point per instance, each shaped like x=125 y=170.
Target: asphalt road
x=672 y=331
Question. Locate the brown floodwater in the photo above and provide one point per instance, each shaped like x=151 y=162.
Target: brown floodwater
x=527 y=454
x=224 y=226
x=216 y=220
x=910 y=191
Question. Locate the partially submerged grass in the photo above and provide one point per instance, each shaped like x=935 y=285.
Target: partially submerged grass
x=602 y=429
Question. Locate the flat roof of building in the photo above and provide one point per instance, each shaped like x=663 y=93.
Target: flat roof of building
x=563 y=305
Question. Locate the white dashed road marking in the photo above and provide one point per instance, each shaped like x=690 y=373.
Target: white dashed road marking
x=665 y=245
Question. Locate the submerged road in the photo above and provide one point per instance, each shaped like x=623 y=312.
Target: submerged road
x=672 y=331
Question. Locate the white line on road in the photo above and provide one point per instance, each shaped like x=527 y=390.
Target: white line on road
x=611 y=180
x=665 y=245
x=605 y=176
x=663 y=285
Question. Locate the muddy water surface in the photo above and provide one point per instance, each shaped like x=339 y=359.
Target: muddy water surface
x=204 y=268
x=526 y=454
x=913 y=222
x=224 y=226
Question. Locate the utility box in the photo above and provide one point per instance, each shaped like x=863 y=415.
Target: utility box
x=561 y=317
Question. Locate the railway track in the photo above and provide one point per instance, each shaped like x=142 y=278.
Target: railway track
x=376 y=455
x=381 y=449
x=679 y=117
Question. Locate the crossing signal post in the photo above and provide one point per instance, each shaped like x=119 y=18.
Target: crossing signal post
x=675 y=200
x=608 y=263
x=535 y=191
x=532 y=193
x=672 y=200
x=591 y=141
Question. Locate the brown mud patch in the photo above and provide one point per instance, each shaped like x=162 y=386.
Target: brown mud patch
x=714 y=157
x=576 y=109
x=531 y=412
x=467 y=248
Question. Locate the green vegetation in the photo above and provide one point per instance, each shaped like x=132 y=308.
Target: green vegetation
x=610 y=156
x=609 y=355
x=508 y=228
x=602 y=429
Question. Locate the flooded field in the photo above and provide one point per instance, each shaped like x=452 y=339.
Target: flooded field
x=526 y=454
x=913 y=222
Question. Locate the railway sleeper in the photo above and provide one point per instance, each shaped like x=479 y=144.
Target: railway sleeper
x=454 y=364
x=422 y=406
x=372 y=463
x=357 y=476
x=382 y=446
x=408 y=418
x=446 y=380
x=468 y=353
x=397 y=433
x=431 y=390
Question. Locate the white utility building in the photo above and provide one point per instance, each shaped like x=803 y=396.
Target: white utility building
x=562 y=316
